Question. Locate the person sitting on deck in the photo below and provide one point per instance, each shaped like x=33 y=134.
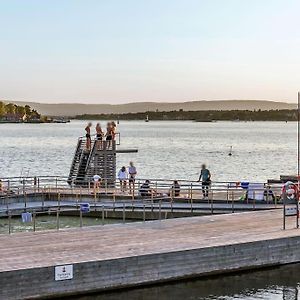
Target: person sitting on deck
x=88 y=136
x=99 y=136
x=145 y=190
x=123 y=175
x=97 y=181
x=175 y=189
x=268 y=193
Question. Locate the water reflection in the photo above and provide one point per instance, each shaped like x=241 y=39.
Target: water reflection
x=277 y=283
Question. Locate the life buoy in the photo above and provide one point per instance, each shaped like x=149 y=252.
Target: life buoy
x=291 y=191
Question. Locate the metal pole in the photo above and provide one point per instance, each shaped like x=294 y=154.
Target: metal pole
x=80 y=218
x=9 y=223
x=57 y=219
x=298 y=146
x=123 y=212
x=34 y=222
x=160 y=210
x=102 y=214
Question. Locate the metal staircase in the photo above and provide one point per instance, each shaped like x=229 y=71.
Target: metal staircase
x=100 y=160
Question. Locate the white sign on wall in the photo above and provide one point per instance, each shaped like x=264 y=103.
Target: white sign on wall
x=63 y=272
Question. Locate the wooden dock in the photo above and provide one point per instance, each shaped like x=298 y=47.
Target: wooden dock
x=116 y=256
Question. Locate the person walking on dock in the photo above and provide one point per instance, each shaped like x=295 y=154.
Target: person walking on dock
x=206 y=180
x=99 y=136
x=88 y=136
x=132 y=173
x=123 y=176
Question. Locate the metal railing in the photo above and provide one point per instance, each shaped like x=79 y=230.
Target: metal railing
x=53 y=194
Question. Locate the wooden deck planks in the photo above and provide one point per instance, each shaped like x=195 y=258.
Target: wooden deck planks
x=48 y=248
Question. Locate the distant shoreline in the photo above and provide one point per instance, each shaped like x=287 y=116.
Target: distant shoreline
x=199 y=116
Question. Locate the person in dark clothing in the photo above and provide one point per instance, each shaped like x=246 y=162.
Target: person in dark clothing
x=175 y=189
x=145 y=189
x=206 y=181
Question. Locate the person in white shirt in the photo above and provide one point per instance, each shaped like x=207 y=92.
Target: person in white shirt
x=123 y=176
x=97 y=181
x=132 y=173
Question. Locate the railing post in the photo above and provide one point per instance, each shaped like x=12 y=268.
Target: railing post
x=144 y=213
x=124 y=212
x=34 y=221
x=159 y=214
x=80 y=216
x=9 y=223
x=102 y=215
x=232 y=201
x=57 y=219
x=191 y=192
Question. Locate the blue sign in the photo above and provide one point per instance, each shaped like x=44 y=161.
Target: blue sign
x=26 y=217
x=85 y=207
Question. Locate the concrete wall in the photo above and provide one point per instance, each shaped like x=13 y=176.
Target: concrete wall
x=131 y=271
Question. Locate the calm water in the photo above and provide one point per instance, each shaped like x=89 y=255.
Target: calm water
x=47 y=222
x=273 y=284
x=261 y=150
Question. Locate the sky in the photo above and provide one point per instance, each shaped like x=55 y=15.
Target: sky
x=117 y=51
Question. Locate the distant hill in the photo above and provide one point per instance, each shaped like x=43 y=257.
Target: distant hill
x=73 y=109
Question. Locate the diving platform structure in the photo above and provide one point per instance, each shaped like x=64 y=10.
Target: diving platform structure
x=99 y=158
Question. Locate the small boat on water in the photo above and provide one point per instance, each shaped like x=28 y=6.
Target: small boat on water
x=147 y=119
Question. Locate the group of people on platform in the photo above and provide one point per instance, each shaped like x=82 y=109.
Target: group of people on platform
x=109 y=135
x=128 y=175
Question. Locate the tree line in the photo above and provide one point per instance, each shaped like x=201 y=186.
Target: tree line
x=11 y=112
x=201 y=116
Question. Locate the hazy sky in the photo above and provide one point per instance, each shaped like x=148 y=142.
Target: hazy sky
x=149 y=50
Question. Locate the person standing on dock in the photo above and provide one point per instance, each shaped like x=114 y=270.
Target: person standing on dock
x=206 y=181
x=132 y=173
x=88 y=136
x=99 y=136
x=109 y=135
x=123 y=176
